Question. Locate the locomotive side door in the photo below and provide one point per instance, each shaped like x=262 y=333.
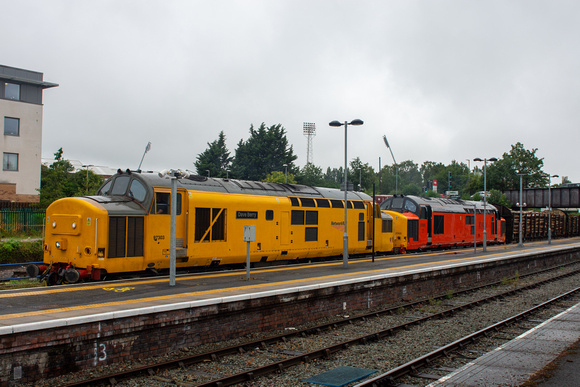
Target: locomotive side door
x=160 y=224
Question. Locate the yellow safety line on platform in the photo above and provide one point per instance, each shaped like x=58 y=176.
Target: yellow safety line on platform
x=57 y=289
x=257 y=286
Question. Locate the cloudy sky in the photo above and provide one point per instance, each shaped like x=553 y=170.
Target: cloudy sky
x=443 y=80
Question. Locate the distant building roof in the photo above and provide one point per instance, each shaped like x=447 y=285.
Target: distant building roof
x=79 y=166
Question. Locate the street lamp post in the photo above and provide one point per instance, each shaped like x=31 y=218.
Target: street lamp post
x=521 y=204
x=173 y=175
x=345 y=236
x=396 y=168
x=485 y=198
x=87 y=167
x=360 y=179
x=550 y=207
x=285 y=173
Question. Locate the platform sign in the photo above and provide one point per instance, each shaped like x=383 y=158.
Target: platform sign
x=434 y=185
x=249 y=233
x=249 y=236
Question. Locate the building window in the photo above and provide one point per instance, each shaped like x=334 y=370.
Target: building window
x=10 y=162
x=11 y=126
x=12 y=91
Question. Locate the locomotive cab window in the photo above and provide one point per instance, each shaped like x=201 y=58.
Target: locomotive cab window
x=120 y=185
x=163 y=203
x=137 y=190
x=269 y=215
x=106 y=189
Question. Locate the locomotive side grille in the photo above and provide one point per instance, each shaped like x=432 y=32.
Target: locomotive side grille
x=117 y=235
x=413 y=229
x=126 y=236
x=135 y=236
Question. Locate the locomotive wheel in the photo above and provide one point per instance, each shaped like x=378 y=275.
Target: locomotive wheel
x=72 y=276
x=50 y=279
x=33 y=271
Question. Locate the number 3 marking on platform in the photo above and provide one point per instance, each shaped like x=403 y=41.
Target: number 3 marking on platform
x=102 y=352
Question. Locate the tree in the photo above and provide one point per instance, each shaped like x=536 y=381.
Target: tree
x=498 y=197
x=265 y=151
x=310 y=175
x=57 y=181
x=215 y=159
x=280 y=177
x=361 y=175
x=333 y=177
x=406 y=177
x=503 y=174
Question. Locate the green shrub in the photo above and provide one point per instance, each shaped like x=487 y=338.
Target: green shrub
x=14 y=250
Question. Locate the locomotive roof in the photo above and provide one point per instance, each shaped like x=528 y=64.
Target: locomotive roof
x=247 y=187
x=446 y=205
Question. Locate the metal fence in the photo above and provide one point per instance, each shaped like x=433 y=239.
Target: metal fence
x=21 y=220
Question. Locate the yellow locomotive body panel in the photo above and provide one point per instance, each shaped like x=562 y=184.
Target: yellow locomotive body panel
x=127 y=227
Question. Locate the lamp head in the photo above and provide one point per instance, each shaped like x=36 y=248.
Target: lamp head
x=492 y=159
x=335 y=123
x=386 y=142
x=356 y=122
x=477 y=159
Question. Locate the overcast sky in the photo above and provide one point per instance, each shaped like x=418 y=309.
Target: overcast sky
x=443 y=80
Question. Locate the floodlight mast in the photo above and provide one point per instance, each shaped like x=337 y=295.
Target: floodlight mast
x=309 y=130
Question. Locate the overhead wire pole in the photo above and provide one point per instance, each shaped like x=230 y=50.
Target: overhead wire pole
x=396 y=167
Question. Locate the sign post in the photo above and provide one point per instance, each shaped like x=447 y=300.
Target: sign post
x=249 y=236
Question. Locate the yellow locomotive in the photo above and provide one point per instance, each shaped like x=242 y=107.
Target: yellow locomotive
x=126 y=226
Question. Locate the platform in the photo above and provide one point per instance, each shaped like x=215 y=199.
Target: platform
x=515 y=362
x=48 y=307
x=51 y=331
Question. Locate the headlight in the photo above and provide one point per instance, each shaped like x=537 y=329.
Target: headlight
x=74 y=225
x=53 y=224
x=57 y=244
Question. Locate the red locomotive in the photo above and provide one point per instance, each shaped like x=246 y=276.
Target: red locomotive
x=438 y=222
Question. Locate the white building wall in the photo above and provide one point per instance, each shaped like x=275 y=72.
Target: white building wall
x=28 y=145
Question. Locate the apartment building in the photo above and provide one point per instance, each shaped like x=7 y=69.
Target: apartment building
x=21 y=140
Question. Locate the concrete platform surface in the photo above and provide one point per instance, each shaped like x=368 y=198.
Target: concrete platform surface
x=515 y=362
x=48 y=307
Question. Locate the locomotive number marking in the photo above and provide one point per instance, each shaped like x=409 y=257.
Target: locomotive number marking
x=119 y=290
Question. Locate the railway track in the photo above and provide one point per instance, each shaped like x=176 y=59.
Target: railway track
x=413 y=368
x=299 y=352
